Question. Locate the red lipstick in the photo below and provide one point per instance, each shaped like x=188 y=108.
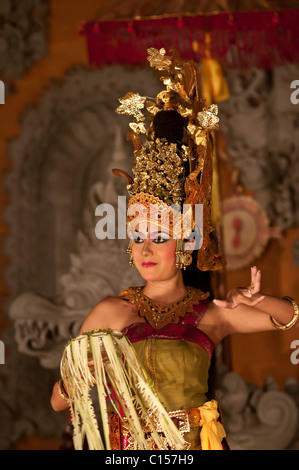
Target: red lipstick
x=148 y=264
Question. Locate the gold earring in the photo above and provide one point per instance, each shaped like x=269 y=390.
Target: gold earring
x=183 y=259
x=129 y=251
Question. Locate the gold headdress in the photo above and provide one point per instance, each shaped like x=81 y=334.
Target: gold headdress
x=173 y=171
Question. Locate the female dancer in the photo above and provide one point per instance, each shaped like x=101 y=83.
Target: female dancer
x=180 y=366
x=172 y=324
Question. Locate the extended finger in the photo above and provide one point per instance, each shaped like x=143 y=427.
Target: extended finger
x=256 y=280
x=253 y=276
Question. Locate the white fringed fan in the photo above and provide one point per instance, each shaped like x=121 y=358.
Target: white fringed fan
x=116 y=365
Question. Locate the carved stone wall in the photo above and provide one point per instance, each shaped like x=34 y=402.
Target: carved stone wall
x=258 y=418
x=260 y=125
x=23 y=32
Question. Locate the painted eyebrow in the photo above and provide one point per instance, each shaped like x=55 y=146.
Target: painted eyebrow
x=160 y=233
x=154 y=233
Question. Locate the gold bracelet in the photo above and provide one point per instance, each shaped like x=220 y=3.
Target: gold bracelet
x=61 y=390
x=294 y=319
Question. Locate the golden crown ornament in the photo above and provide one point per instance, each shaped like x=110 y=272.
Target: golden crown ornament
x=172 y=174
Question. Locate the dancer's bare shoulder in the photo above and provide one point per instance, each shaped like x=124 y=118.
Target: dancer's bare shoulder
x=112 y=312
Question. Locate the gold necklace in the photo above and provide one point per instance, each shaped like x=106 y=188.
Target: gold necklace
x=158 y=315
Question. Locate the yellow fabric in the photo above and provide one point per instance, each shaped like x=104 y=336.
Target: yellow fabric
x=180 y=371
x=215 y=87
x=216 y=209
x=212 y=432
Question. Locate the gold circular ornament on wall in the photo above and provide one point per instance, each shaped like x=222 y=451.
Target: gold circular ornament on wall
x=246 y=231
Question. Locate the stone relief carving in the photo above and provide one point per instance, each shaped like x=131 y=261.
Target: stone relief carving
x=23 y=32
x=42 y=326
x=260 y=125
x=258 y=418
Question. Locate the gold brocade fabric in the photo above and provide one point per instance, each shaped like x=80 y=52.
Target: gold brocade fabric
x=179 y=370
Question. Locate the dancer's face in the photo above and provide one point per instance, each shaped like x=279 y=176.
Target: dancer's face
x=153 y=253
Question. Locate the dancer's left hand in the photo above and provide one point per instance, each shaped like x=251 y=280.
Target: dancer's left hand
x=244 y=295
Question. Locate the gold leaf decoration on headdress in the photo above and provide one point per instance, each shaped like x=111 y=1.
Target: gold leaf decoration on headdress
x=168 y=171
x=131 y=104
x=152 y=110
x=158 y=59
x=208 y=119
x=138 y=127
x=199 y=135
x=159 y=170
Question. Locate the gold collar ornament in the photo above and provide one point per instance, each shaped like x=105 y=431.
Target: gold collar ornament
x=159 y=315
